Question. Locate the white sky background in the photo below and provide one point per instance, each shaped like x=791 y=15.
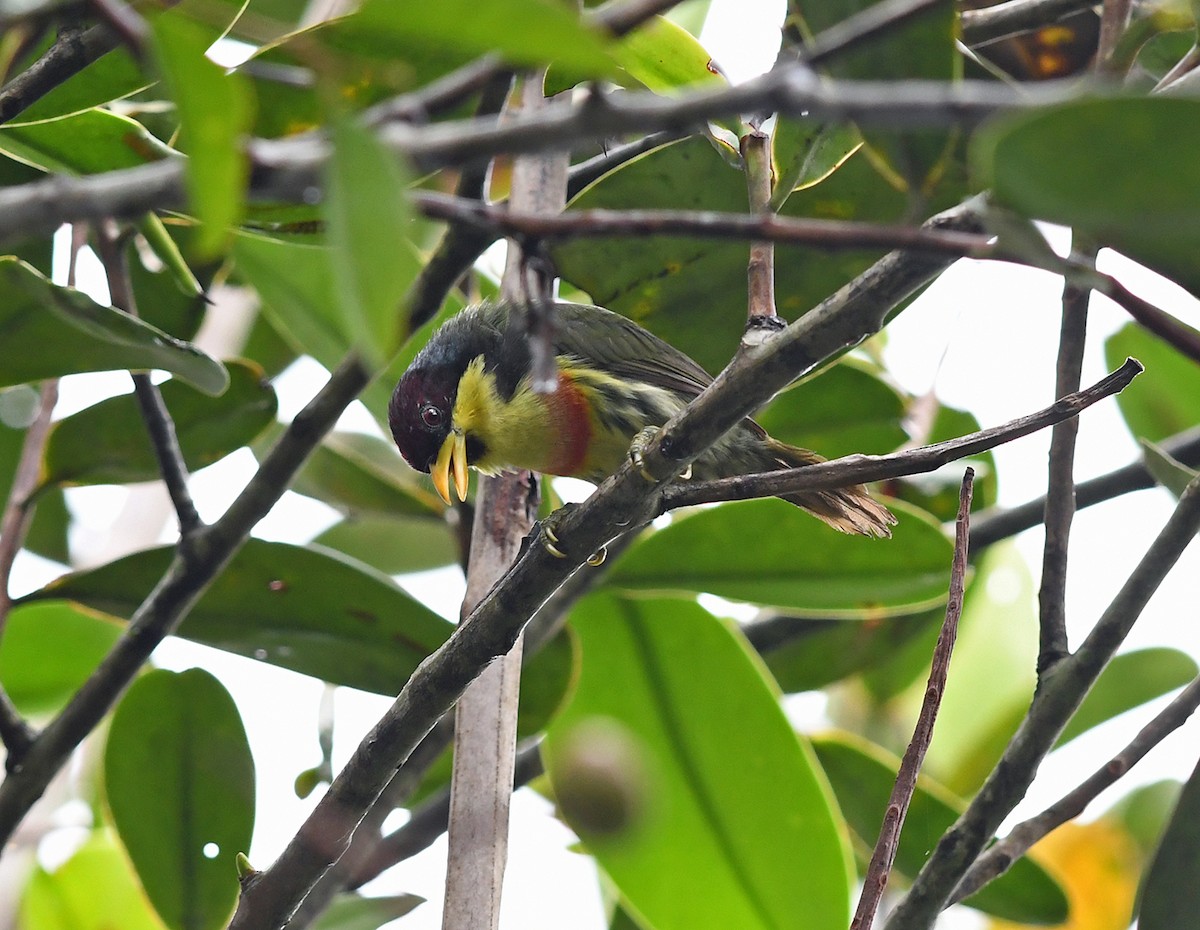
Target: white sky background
x=984 y=337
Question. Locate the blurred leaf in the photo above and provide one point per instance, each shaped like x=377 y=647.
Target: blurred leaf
x=862 y=777
x=814 y=653
x=93 y=890
x=106 y=444
x=805 y=152
x=1167 y=471
x=1140 y=152
x=47 y=535
x=216 y=110
x=523 y=32
x=733 y=833
x=350 y=911
x=90 y=142
x=937 y=492
x=663 y=57
x=364 y=475
x=110 y=77
x=843 y=410
x=393 y=545
x=1145 y=811
x=267 y=347
x=308 y=610
x=1165 y=399
x=49 y=650
x=1170 y=894
x=161 y=300
x=770 y=552
x=366 y=214
x=38 y=251
x=51 y=331
x=1128 y=681
x=179 y=780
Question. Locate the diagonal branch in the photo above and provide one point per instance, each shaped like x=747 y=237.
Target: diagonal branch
x=884 y=854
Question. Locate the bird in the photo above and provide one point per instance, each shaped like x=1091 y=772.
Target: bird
x=468 y=399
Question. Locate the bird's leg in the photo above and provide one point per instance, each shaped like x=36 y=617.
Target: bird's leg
x=547 y=532
x=637 y=454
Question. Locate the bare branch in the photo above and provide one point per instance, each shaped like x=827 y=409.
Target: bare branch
x=73 y=51
x=856 y=469
x=1000 y=857
x=980 y=27
x=863 y=26
x=760 y=271
x=884 y=855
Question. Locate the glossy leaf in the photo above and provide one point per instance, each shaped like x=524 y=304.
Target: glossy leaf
x=393 y=545
x=49 y=649
x=105 y=443
x=93 y=890
x=804 y=152
x=524 y=32
x=1170 y=895
x=354 y=912
x=304 y=609
x=770 y=552
x=805 y=654
x=215 y=111
x=843 y=410
x=366 y=214
x=1165 y=398
x=663 y=57
x=1140 y=152
x=364 y=475
x=732 y=833
x=90 y=142
x=179 y=780
x=51 y=331
x=862 y=777
x=1128 y=681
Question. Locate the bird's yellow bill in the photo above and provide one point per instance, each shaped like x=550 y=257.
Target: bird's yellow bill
x=452 y=456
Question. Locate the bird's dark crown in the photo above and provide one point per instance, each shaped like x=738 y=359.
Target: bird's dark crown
x=420 y=411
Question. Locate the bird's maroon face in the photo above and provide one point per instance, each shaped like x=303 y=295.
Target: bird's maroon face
x=419 y=414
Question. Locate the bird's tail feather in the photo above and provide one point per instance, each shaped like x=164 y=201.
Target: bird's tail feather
x=850 y=509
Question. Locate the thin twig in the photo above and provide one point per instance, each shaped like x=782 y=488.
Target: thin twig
x=1060 y=486
x=863 y=26
x=856 y=469
x=1114 y=17
x=705 y=224
x=182 y=584
x=760 y=271
x=1000 y=857
x=1053 y=705
x=73 y=51
x=994 y=526
x=159 y=424
x=884 y=855
x=125 y=22
x=980 y=27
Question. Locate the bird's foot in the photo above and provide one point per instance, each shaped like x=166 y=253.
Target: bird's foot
x=548 y=532
x=637 y=454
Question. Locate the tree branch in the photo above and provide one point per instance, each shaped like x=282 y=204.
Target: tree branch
x=979 y=27
x=160 y=613
x=1000 y=857
x=884 y=855
x=1057 y=699
x=856 y=469
x=73 y=51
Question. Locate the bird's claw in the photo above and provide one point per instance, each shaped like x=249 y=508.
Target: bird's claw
x=550 y=541
x=597 y=558
x=553 y=545
x=637 y=452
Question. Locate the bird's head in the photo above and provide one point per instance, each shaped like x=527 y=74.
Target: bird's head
x=421 y=416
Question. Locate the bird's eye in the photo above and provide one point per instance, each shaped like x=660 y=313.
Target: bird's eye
x=431 y=416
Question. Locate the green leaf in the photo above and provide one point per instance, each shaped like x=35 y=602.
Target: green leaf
x=1170 y=894
x=110 y=77
x=47 y=535
x=308 y=610
x=663 y=57
x=815 y=653
x=524 y=32
x=364 y=475
x=1167 y=471
x=51 y=331
x=731 y=833
x=1165 y=399
x=1130 y=680
x=937 y=492
x=366 y=214
x=106 y=444
x=1140 y=152
x=770 y=552
x=179 y=780
x=354 y=912
x=1145 y=811
x=804 y=152
x=93 y=890
x=215 y=111
x=843 y=410
x=49 y=650
x=90 y=142
x=393 y=545
x=862 y=777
